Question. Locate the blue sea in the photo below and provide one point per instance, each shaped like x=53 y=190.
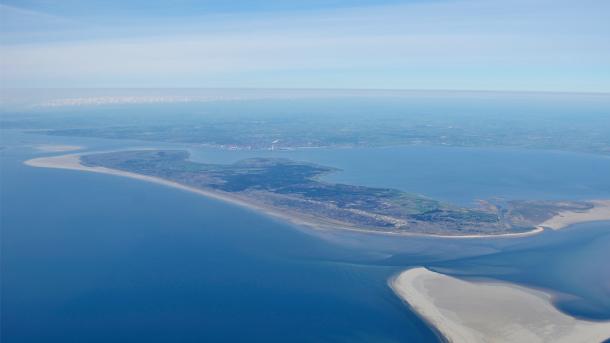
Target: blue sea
x=100 y=258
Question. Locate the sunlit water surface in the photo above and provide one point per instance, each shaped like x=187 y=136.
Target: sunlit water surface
x=98 y=258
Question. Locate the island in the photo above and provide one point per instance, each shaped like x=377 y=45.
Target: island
x=296 y=191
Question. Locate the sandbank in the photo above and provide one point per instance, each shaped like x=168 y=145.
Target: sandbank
x=471 y=312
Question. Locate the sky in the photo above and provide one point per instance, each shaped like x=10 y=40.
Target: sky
x=522 y=45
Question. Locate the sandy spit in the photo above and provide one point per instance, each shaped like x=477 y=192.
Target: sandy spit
x=600 y=212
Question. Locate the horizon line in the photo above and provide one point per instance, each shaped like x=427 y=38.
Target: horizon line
x=319 y=89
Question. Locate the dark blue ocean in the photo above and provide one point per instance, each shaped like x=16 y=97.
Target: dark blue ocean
x=99 y=258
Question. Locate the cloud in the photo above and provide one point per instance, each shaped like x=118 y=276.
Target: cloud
x=463 y=39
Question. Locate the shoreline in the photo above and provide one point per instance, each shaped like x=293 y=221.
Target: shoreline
x=465 y=311
x=599 y=212
x=72 y=162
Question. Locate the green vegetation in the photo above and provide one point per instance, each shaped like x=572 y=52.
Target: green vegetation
x=294 y=188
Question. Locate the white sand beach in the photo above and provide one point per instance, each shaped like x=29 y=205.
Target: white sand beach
x=473 y=312
x=72 y=162
x=600 y=212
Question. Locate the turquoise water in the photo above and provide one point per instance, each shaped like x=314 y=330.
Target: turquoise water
x=99 y=258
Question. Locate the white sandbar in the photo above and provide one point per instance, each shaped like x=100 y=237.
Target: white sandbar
x=473 y=312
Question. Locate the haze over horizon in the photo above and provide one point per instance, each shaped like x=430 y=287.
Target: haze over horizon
x=355 y=44
x=304 y=171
